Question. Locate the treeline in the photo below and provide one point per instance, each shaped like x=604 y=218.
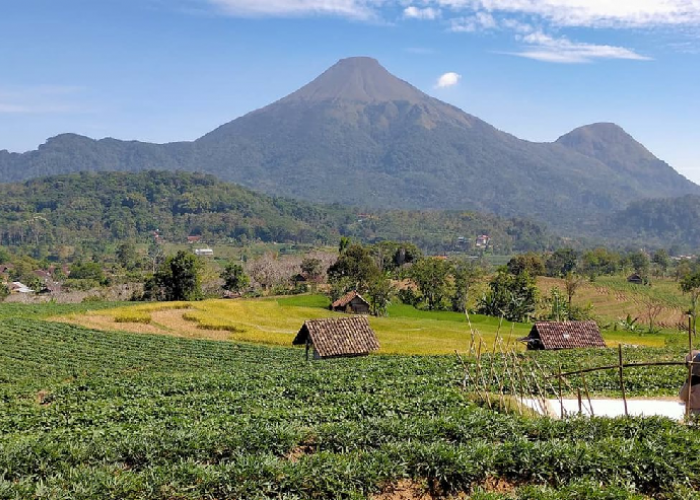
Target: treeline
x=84 y=215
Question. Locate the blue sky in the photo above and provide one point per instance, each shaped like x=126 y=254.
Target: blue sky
x=170 y=70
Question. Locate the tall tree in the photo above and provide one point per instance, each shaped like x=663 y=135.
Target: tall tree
x=691 y=284
x=235 y=278
x=512 y=296
x=430 y=276
x=179 y=277
x=354 y=265
x=572 y=283
x=562 y=262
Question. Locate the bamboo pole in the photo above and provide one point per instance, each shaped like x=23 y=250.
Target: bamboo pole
x=588 y=395
x=690 y=367
x=622 y=379
x=580 y=403
x=561 y=397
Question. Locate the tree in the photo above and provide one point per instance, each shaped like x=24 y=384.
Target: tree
x=691 y=284
x=87 y=271
x=235 y=278
x=4 y=291
x=562 y=262
x=311 y=267
x=356 y=265
x=529 y=262
x=639 y=262
x=510 y=296
x=465 y=274
x=572 y=282
x=179 y=277
x=430 y=276
x=127 y=256
x=379 y=294
x=661 y=259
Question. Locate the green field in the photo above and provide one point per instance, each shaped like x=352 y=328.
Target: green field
x=275 y=321
x=90 y=415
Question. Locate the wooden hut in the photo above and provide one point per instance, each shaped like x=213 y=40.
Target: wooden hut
x=564 y=335
x=337 y=337
x=635 y=279
x=351 y=303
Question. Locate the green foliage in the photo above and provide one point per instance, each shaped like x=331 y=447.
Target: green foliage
x=97 y=212
x=83 y=416
x=4 y=291
x=235 y=278
x=87 y=271
x=562 y=262
x=178 y=278
x=513 y=297
x=379 y=294
x=431 y=277
x=530 y=263
x=355 y=268
x=311 y=267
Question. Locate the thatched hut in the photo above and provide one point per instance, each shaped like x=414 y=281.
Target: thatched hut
x=564 y=335
x=351 y=303
x=337 y=337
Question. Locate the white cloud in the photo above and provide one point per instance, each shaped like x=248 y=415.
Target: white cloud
x=448 y=80
x=481 y=21
x=543 y=47
x=358 y=9
x=428 y=13
x=591 y=13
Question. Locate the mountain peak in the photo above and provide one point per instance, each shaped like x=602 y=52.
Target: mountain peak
x=593 y=139
x=358 y=79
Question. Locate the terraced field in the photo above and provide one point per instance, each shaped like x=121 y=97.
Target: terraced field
x=89 y=414
x=275 y=321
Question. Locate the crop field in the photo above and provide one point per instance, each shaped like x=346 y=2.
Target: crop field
x=612 y=299
x=405 y=330
x=88 y=414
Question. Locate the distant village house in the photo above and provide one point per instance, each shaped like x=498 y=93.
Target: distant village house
x=351 y=303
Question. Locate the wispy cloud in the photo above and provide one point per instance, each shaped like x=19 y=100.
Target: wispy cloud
x=448 y=80
x=546 y=48
x=590 y=13
x=357 y=9
x=428 y=13
x=480 y=21
x=39 y=99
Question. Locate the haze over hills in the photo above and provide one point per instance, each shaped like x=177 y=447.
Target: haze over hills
x=359 y=135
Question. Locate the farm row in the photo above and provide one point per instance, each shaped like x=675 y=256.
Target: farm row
x=87 y=414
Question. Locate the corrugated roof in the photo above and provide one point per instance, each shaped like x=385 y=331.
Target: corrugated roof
x=347 y=298
x=339 y=336
x=566 y=335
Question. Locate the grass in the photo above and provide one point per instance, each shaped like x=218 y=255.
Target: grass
x=275 y=321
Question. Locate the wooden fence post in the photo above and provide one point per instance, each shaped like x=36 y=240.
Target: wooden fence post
x=622 y=379
x=690 y=367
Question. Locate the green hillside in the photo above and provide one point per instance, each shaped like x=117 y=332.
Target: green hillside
x=360 y=136
x=96 y=209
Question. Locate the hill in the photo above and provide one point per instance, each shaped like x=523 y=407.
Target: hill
x=663 y=222
x=360 y=136
x=95 y=209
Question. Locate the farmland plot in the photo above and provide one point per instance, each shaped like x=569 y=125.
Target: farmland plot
x=88 y=415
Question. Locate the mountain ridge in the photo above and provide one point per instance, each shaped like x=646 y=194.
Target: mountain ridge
x=360 y=136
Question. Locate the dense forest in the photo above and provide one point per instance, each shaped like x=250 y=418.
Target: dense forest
x=92 y=210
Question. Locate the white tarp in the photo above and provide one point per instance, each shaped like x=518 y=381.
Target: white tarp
x=612 y=407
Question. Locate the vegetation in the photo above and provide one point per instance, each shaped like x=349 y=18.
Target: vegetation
x=84 y=414
x=107 y=217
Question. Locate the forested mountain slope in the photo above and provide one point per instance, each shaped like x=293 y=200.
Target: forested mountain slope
x=360 y=136
x=97 y=209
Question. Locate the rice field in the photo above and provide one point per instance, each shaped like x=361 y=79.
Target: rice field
x=275 y=321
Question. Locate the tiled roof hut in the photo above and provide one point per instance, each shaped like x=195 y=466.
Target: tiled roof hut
x=337 y=337
x=564 y=335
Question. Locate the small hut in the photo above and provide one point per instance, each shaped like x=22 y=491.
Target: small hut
x=635 y=279
x=337 y=337
x=351 y=303
x=564 y=335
